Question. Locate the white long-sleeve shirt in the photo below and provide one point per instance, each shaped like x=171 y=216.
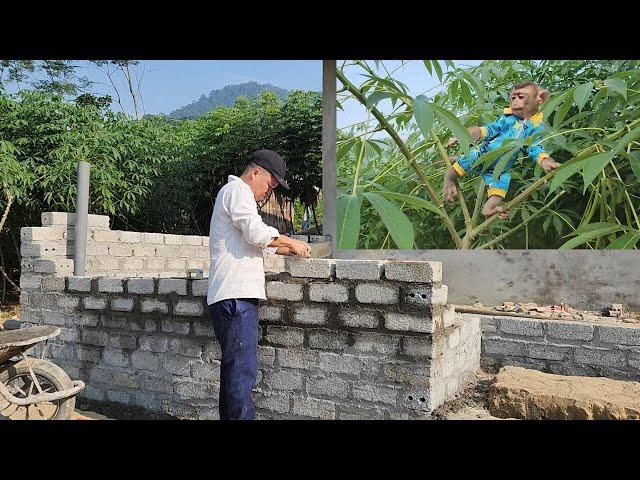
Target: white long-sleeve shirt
x=237 y=237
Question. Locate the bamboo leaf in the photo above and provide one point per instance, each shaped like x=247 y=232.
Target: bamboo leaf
x=591 y=235
x=626 y=140
x=634 y=161
x=438 y=69
x=618 y=85
x=582 y=94
x=396 y=221
x=625 y=242
x=412 y=200
x=593 y=166
x=427 y=64
x=457 y=128
x=348 y=213
x=375 y=97
x=563 y=172
x=423 y=113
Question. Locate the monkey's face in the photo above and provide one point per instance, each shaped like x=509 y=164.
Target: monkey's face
x=525 y=101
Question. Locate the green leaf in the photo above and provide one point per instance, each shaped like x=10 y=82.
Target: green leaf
x=563 y=110
x=563 y=173
x=549 y=106
x=626 y=140
x=427 y=64
x=412 y=200
x=375 y=97
x=625 y=242
x=593 y=166
x=457 y=128
x=423 y=113
x=397 y=223
x=348 y=227
x=591 y=227
x=582 y=94
x=557 y=224
x=438 y=69
x=591 y=235
x=466 y=94
x=502 y=163
x=634 y=161
x=618 y=85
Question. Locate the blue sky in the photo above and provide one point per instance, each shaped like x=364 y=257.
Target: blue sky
x=414 y=74
x=170 y=84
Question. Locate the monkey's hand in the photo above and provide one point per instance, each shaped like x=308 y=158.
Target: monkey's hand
x=549 y=164
x=452 y=141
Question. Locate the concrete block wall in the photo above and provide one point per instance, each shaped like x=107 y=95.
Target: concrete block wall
x=49 y=249
x=337 y=340
x=603 y=349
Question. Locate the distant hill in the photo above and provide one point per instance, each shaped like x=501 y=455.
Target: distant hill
x=225 y=97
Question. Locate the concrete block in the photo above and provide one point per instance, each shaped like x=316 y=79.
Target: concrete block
x=172 y=285
x=521 y=326
x=110 y=285
x=106 y=236
x=358 y=269
x=47 y=234
x=417 y=347
x=413 y=271
x=173 y=239
x=621 y=335
x=409 y=323
x=130 y=237
x=153 y=238
x=284 y=336
x=284 y=291
x=153 y=343
x=329 y=339
x=600 y=356
x=140 y=285
x=59 y=266
x=175 y=326
x=570 y=330
x=68 y=303
x=549 y=352
x=122 y=304
x=188 y=308
x=375 y=393
x=328 y=292
x=270 y=313
x=177 y=365
x=53 y=284
x=426 y=295
x=119 y=341
x=204 y=328
x=283 y=379
x=359 y=318
x=296 y=358
x=152 y=305
x=340 y=363
x=328 y=386
x=200 y=288
x=376 y=293
x=186 y=347
x=94 y=303
x=120 y=250
x=311 y=267
x=374 y=342
x=309 y=315
x=314 y=408
x=272 y=402
x=498 y=346
x=115 y=357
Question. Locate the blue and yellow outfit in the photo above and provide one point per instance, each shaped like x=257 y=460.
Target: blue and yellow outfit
x=494 y=134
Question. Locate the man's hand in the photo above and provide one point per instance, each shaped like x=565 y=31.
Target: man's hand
x=300 y=248
x=452 y=141
x=549 y=164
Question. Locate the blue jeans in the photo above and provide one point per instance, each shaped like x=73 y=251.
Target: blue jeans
x=235 y=322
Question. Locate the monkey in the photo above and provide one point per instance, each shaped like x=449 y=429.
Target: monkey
x=520 y=120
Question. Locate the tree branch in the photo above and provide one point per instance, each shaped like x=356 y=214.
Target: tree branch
x=522 y=224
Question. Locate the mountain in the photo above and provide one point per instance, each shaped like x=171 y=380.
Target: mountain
x=225 y=97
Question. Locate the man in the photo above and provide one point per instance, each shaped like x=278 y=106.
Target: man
x=237 y=238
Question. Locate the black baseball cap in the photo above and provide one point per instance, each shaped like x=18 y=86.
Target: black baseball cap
x=271 y=161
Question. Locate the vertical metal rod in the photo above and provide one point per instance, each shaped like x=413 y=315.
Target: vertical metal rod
x=82 y=219
x=329 y=151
